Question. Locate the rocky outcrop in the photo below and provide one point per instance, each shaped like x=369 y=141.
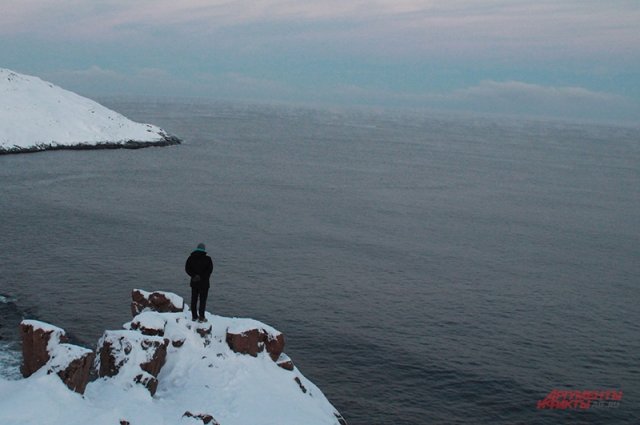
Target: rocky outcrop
x=204 y=330
x=207 y=355
x=132 y=356
x=274 y=345
x=165 y=140
x=159 y=301
x=149 y=323
x=248 y=342
x=37 y=339
x=204 y=417
x=44 y=345
x=285 y=362
x=173 y=326
x=341 y=420
x=148 y=381
x=299 y=382
x=158 y=356
x=73 y=365
x=248 y=337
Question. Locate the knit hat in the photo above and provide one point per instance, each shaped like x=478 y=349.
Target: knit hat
x=201 y=247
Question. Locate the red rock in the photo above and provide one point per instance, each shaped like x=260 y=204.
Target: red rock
x=147 y=381
x=288 y=365
x=127 y=345
x=162 y=302
x=204 y=330
x=149 y=323
x=274 y=345
x=147 y=331
x=35 y=342
x=254 y=341
x=285 y=362
x=159 y=357
x=204 y=417
x=249 y=342
x=45 y=345
x=108 y=365
x=76 y=374
x=178 y=342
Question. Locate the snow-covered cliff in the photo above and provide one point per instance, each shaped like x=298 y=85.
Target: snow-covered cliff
x=163 y=368
x=36 y=115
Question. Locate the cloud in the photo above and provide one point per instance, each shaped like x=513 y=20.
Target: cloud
x=94 y=72
x=488 y=27
x=512 y=93
x=521 y=98
x=418 y=53
x=97 y=81
x=495 y=97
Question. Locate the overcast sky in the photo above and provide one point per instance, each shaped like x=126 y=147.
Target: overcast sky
x=561 y=58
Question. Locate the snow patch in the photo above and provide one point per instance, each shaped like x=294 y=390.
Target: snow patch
x=63 y=354
x=202 y=375
x=130 y=342
x=37 y=115
x=150 y=320
x=46 y=327
x=239 y=326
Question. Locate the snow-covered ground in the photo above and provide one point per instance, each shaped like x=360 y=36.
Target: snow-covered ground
x=37 y=115
x=203 y=376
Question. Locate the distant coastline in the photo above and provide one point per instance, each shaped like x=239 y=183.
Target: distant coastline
x=39 y=116
x=167 y=140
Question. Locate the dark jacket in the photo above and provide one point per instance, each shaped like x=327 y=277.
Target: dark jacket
x=199 y=263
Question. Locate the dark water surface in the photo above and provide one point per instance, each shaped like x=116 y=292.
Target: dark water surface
x=424 y=270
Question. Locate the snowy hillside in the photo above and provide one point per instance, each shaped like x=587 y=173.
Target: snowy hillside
x=163 y=369
x=36 y=115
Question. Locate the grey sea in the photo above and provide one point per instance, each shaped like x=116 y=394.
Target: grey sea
x=425 y=269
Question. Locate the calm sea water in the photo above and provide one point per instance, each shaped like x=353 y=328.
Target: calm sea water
x=425 y=270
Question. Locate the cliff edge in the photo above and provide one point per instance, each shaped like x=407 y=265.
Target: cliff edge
x=163 y=368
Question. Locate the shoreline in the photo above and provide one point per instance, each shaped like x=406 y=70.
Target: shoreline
x=166 y=140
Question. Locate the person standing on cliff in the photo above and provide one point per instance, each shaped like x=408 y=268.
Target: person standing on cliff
x=199 y=267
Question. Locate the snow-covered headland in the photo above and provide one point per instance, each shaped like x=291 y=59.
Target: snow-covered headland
x=163 y=368
x=36 y=115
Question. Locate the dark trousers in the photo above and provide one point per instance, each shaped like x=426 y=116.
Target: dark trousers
x=198 y=293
